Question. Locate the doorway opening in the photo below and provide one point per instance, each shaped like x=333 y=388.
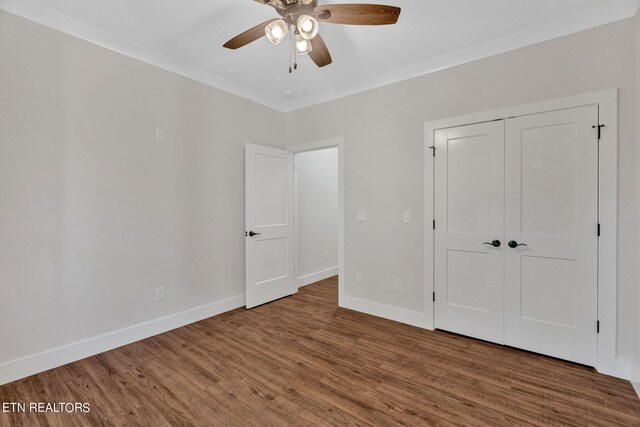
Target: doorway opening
x=315 y=215
x=319 y=213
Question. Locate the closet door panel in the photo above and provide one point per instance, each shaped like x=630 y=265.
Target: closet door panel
x=469 y=204
x=551 y=212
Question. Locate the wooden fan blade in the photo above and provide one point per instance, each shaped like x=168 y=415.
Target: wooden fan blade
x=358 y=14
x=248 y=36
x=319 y=52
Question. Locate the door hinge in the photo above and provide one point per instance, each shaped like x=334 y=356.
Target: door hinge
x=434 y=224
x=599 y=127
x=598 y=230
x=433 y=147
x=598 y=327
x=434 y=297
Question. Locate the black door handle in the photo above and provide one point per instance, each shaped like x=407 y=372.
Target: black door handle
x=251 y=233
x=496 y=243
x=513 y=244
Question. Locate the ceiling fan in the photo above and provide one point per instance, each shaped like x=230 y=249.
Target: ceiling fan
x=300 y=18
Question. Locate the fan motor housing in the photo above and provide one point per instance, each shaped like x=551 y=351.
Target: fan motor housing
x=290 y=10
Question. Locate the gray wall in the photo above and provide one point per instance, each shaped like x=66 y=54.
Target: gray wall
x=94 y=214
x=384 y=146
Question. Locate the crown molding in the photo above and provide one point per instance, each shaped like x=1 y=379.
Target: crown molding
x=65 y=24
x=619 y=10
x=573 y=24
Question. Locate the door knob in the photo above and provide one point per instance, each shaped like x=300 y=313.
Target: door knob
x=251 y=233
x=513 y=244
x=496 y=243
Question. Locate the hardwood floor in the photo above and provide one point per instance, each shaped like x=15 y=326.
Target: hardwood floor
x=303 y=361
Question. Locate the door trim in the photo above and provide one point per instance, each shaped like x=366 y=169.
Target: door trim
x=338 y=143
x=608 y=362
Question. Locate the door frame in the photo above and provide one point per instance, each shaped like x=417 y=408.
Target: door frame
x=608 y=362
x=338 y=143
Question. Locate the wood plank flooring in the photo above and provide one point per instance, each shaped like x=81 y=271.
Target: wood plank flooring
x=303 y=361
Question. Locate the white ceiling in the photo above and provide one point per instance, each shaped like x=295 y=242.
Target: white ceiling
x=186 y=36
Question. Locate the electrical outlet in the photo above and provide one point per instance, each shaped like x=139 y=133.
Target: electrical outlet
x=160 y=294
x=407 y=217
x=160 y=135
x=326 y=255
x=361 y=215
x=359 y=278
x=397 y=285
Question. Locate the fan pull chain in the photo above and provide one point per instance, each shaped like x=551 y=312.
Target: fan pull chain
x=295 y=57
x=292 y=51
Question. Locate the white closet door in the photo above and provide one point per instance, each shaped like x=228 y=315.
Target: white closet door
x=552 y=207
x=269 y=224
x=469 y=204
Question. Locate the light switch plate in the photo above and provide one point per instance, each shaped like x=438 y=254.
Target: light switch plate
x=407 y=217
x=397 y=285
x=160 y=294
x=359 y=278
x=361 y=215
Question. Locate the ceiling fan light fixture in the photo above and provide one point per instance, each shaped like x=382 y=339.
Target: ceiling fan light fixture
x=276 y=31
x=299 y=20
x=303 y=46
x=307 y=26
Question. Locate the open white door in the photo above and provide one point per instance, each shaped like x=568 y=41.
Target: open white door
x=269 y=224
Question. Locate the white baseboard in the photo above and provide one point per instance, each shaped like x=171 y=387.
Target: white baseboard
x=316 y=277
x=413 y=318
x=636 y=387
x=635 y=377
x=635 y=372
x=615 y=368
x=33 y=364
